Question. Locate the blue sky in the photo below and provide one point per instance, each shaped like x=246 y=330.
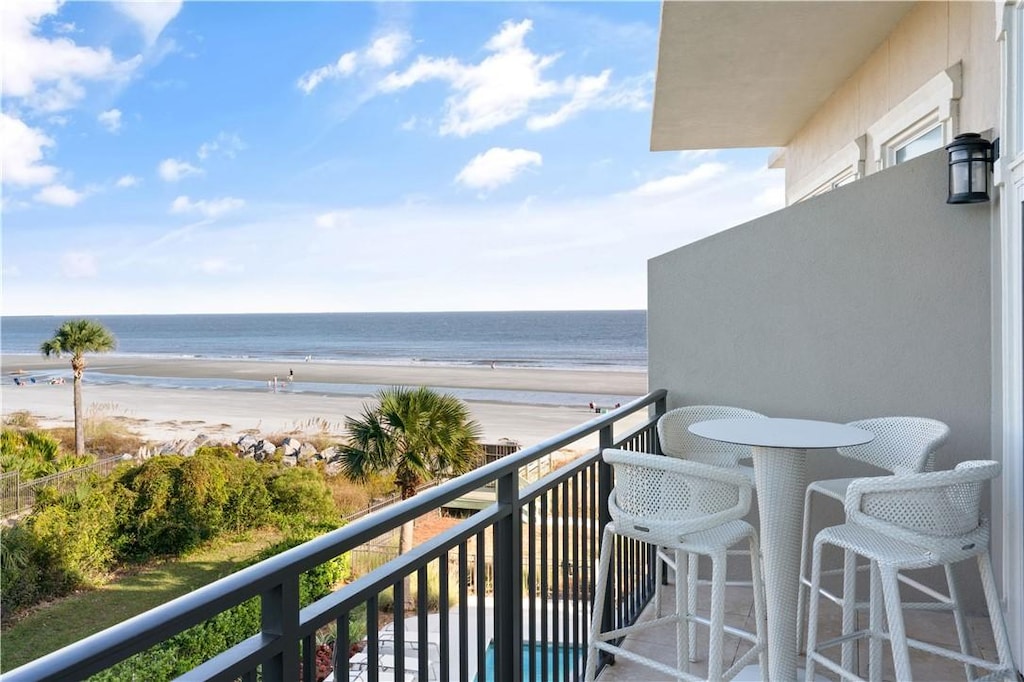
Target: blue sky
x=340 y=156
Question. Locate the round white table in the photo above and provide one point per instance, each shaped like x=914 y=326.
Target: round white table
x=779 y=450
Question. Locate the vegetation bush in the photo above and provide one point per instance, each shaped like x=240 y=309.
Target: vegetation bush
x=301 y=493
x=348 y=496
x=19 y=572
x=165 y=507
x=66 y=543
x=35 y=454
x=185 y=651
x=172 y=504
x=74 y=535
x=21 y=419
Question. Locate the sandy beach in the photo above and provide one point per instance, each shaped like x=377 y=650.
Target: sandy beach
x=160 y=414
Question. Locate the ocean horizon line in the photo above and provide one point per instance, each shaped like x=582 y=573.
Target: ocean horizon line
x=354 y=312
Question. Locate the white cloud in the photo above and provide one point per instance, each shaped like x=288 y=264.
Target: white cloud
x=21 y=149
x=497 y=166
x=211 y=209
x=173 y=170
x=78 y=265
x=225 y=144
x=58 y=195
x=151 y=17
x=333 y=220
x=584 y=92
x=692 y=154
x=345 y=66
x=509 y=84
x=409 y=123
x=387 y=49
x=127 y=181
x=675 y=184
x=772 y=198
x=47 y=74
x=217 y=266
x=557 y=244
x=110 y=119
x=381 y=53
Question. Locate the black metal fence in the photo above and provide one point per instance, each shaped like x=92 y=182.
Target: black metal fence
x=17 y=496
x=506 y=594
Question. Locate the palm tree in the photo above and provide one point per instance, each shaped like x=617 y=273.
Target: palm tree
x=413 y=434
x=75 y=338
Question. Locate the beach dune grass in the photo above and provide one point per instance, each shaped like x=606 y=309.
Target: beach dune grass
x=79 y=615
x=106 y=433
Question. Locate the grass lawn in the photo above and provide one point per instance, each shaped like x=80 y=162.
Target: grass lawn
x=70 y=619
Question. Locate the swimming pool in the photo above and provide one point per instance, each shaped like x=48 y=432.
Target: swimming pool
x=556 y=658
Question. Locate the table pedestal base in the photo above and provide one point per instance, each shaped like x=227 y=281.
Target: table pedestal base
x=781 y=481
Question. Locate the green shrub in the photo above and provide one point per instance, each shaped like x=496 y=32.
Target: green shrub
x=165 y=507
x=19 y=574
x=301 y=493
x=65 y=544
x=73 y=534
x=35 y=454
x=172 y=504
x=181 y=653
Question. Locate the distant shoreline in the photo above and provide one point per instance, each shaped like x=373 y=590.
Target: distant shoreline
x=173 y=413
x=599 y=381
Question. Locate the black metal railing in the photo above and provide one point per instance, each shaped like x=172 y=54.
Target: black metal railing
x=505 y=594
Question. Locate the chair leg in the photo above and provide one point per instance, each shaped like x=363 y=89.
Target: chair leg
x=760 y=624
x=958 y=617
x=692 y=575
x=995 y=614
x=812 y=610
x=659 y=573
x=603 y=566
x=849 y=622
x=897 y=632
x=875 y=617
x=801 y=597
x=718 y=569
x=684 y=640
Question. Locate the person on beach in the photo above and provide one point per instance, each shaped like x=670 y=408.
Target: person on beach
x=291 y=375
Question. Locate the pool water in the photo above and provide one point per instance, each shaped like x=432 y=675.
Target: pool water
x=556 y=658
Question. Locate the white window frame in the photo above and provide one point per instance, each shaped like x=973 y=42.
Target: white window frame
x=841 y=168
x=1008 y=185
x=934 y=103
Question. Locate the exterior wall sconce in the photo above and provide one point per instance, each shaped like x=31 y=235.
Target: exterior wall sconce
x=969 y=159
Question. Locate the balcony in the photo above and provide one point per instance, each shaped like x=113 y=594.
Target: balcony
x=517 y=577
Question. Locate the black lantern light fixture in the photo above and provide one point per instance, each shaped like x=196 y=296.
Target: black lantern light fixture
x=970 y=156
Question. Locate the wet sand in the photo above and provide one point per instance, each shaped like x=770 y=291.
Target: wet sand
x=169 y=413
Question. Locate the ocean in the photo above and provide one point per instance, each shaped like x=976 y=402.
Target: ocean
x=614 y=339
x=605 y=340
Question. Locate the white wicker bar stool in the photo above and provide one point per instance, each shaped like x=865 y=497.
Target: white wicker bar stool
x=677 y=441
x=902 y=445
x=904 y=522
x=687 y=507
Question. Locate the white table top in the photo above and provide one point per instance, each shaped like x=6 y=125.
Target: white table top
x=804 y=434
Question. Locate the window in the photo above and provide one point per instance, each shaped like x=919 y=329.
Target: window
x=928 y=119
x=925 y=142
x=840 y=169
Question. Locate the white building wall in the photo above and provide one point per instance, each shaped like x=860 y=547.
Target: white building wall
x=931 y=38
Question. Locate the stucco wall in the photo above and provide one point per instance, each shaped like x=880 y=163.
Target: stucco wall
x=930 y=38
x=871 y=300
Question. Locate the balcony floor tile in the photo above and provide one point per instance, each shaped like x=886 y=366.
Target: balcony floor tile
x=938 y=628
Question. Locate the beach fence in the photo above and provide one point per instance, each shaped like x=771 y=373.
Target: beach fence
x=17 y=496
